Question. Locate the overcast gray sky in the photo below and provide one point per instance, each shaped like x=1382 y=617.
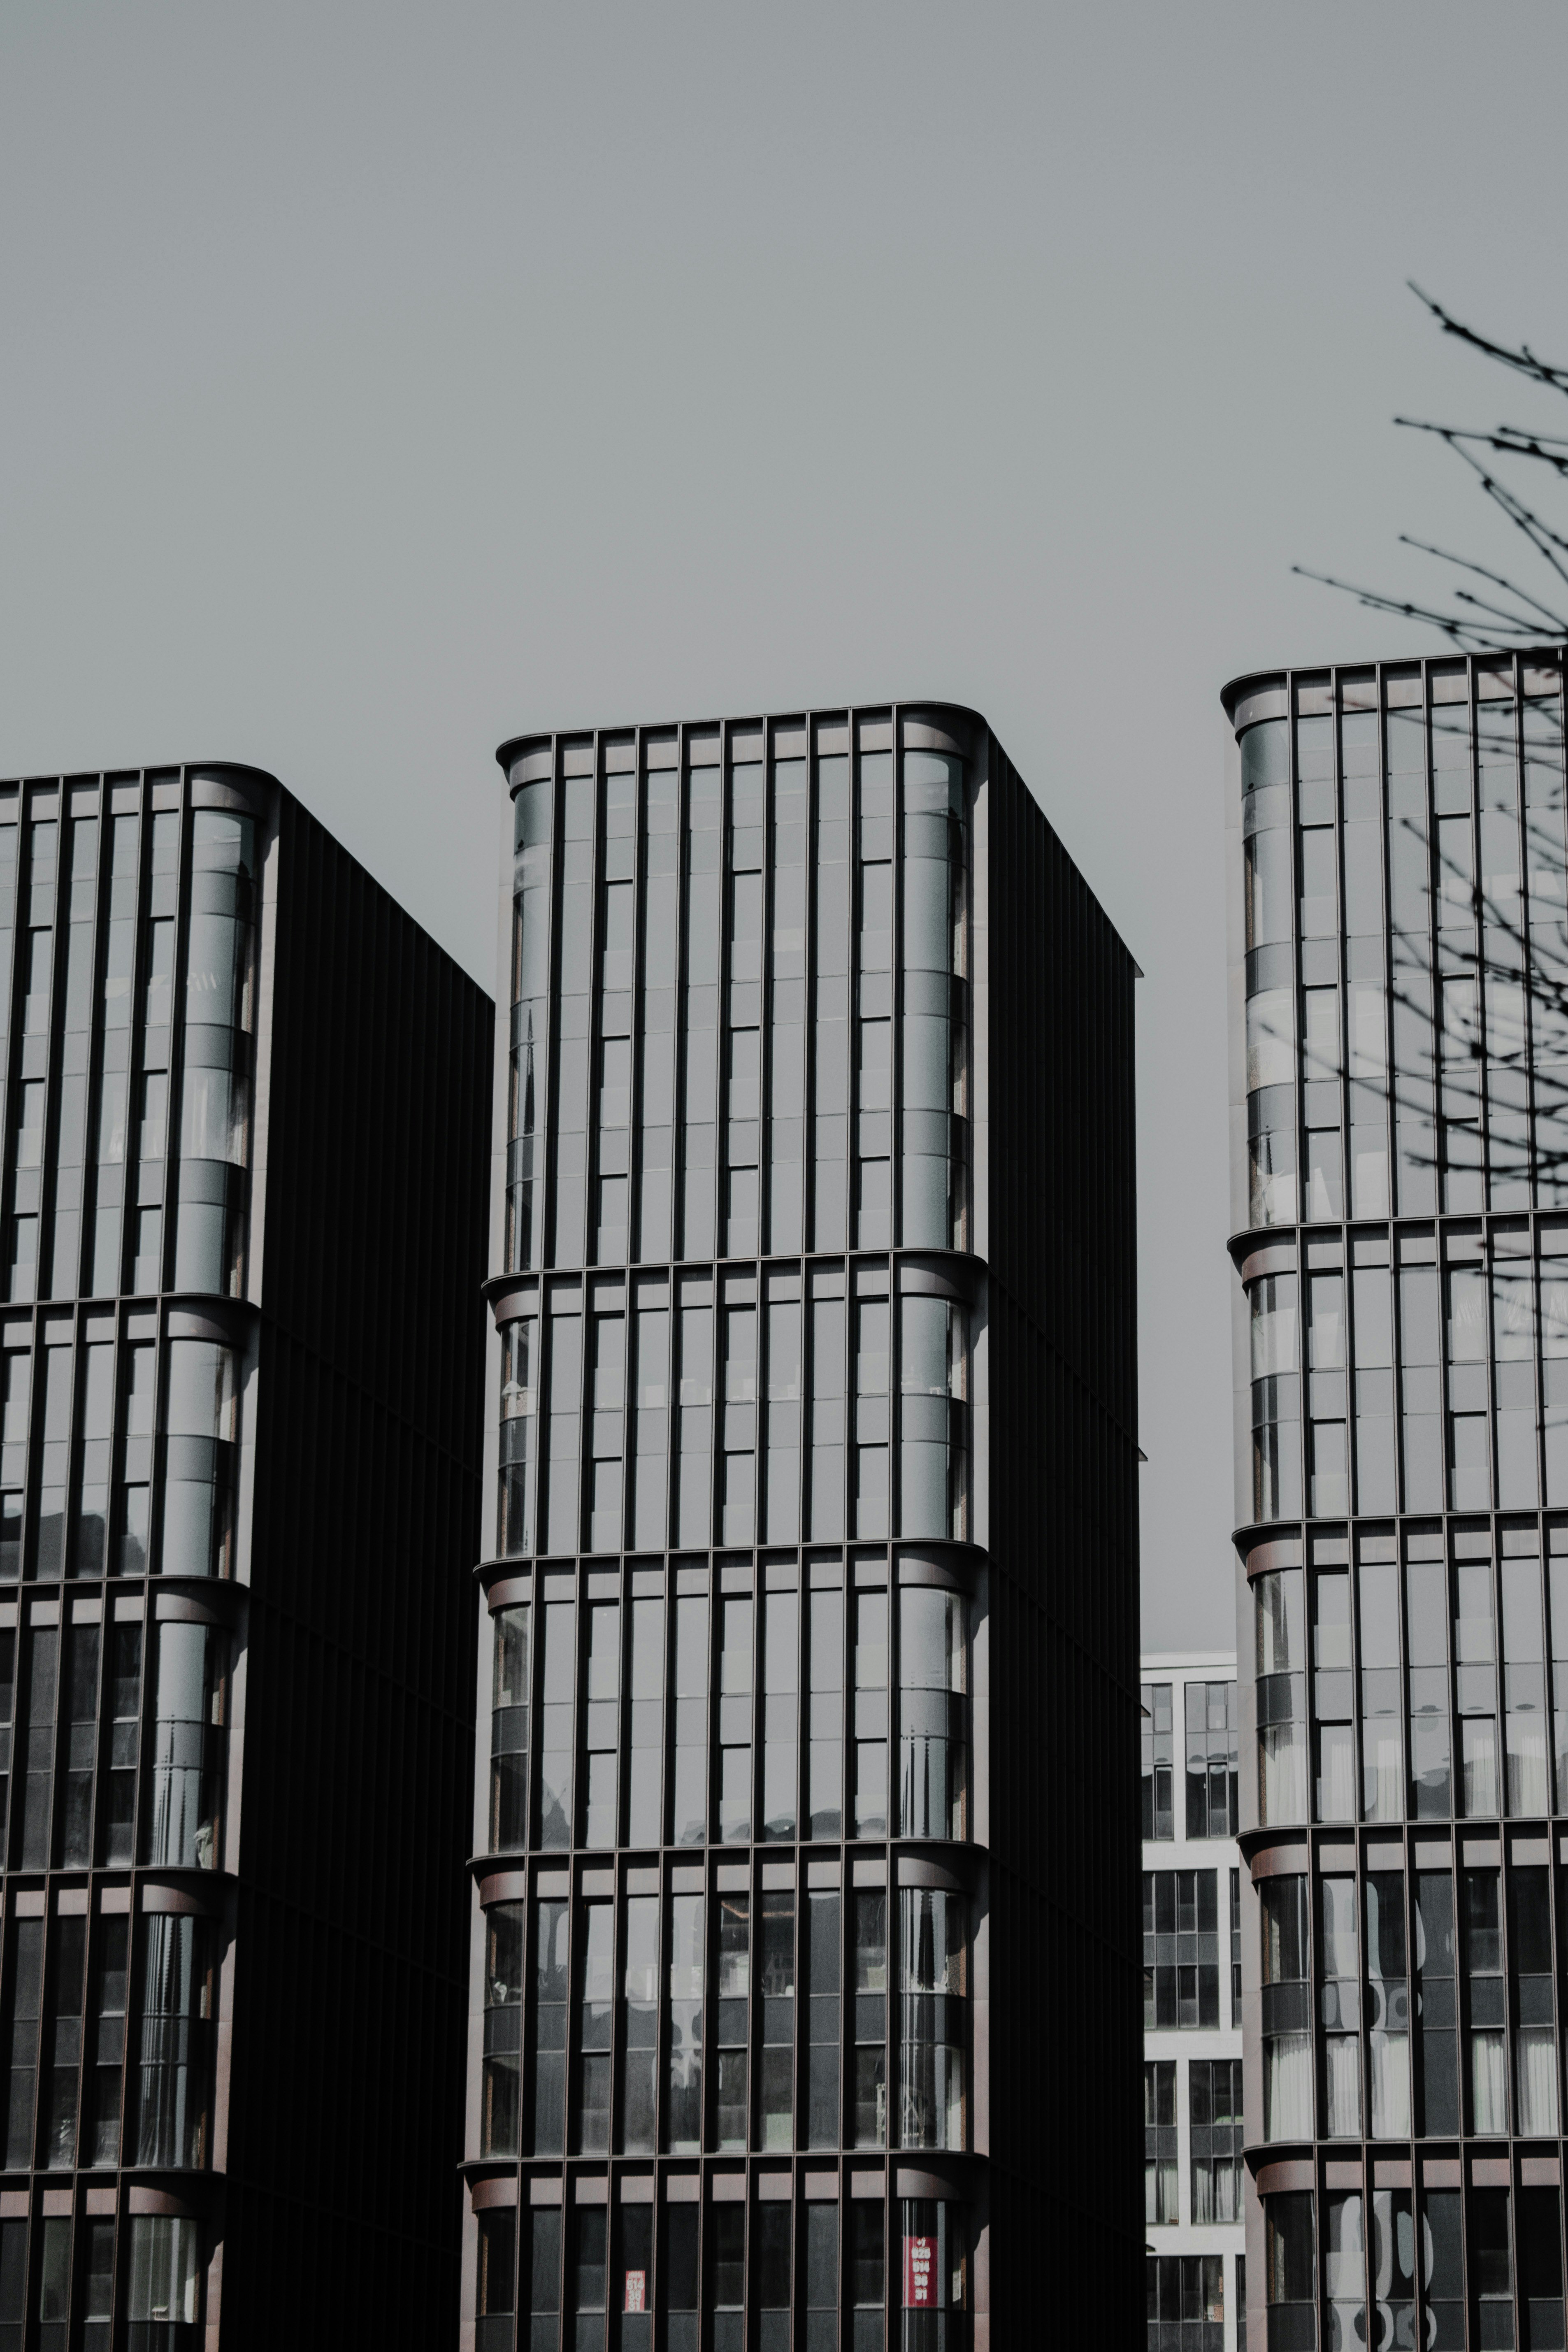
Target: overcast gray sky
x=379 y=381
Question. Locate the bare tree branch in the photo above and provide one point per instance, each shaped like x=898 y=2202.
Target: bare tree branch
x=1464 y=633
x=1543 y=612
x=1472 y=621
x=1523 y=359
x=1510 y=440
x=1463 y=1024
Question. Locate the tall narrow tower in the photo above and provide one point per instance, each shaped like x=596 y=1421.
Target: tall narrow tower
x=242 y=1205
x=1399 y=1109
x=804 y=1994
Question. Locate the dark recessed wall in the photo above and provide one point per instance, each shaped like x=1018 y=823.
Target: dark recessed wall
x=1067 y=2232
x=346 y=2122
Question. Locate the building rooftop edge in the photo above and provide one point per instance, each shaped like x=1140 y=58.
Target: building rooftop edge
x=801 y=711
x=78 y=774
x=248 y=772
x=1277 y=673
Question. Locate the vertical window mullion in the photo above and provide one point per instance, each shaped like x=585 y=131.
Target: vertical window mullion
x=596 y=932
x=572 y=2037
x=757 y=1786
x=679 y=1057
x=624 y=1733
x=846 y=1634
x=636 y=1027
x=48 y=1155
x=582 y=1632
x=765 y=986
x=895 y=1061
x=175 y=1069
x=14 y=950
x=715 y=1783
x=661 y=2025
x=1532 y=1266
x=545 y=1092
x=846 y=1991
x=87 y=1244
x=1385 y=876
x=1434 y=884
x=584 y=1441
x=720 y=1184
x=1440 y=1010
x=20 y=1075
x=550 y=1143
x=892 y=2067
x=719 y=1242
x=801 y=1754
x=1479 y=916
x=1433 y=930
x=1494 y=1481
x=847 y=1471
x=895 y=1441
x=617 y=1902
x=545 y=1374
x=808 y=1064
x=128 y=1185
x=1298 y=984
x=669 y=1827
x=1341 y=961
x=851 y=1075
x=1352 y=1420
x=1397 y=1350
x=1516 y=687
x=672 y=1366
x=1520 y=927
x=534 y=1817
x=147 y=917
x=49 y=1075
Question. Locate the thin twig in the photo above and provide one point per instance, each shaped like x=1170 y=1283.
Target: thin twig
x=1475 y=622
x=1496 y=578
x=1523 y=359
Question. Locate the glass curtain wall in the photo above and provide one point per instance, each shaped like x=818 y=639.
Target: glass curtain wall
x=130 y=911
x=735 y=1624
x=1400 y=1176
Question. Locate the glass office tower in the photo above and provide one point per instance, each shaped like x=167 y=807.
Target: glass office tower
x=804 y=1910
x=243 y=1198
x=1399 y=1143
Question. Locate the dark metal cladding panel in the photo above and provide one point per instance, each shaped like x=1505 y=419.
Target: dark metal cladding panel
x=347 y=2054
x=1067 y=2234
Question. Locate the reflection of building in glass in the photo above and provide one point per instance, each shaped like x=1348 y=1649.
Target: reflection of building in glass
x=1192 y=2006
x=239 y=1208
x=1399 y=1183
x=811 y=1587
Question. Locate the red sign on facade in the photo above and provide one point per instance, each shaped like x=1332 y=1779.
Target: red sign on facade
x=920 y=2274
x=636 y=2290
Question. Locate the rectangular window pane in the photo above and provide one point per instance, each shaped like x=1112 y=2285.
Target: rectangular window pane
x=825 y=1666
x=548 y=2023
x=645 y=1781
x=870 y=1714
x=683 y=2108
x=823 y=1960
x=559 y=1693
x=781 y=1677
x=639 y=2025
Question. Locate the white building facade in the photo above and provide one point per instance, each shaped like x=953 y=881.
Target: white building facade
x=1193 y=2169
